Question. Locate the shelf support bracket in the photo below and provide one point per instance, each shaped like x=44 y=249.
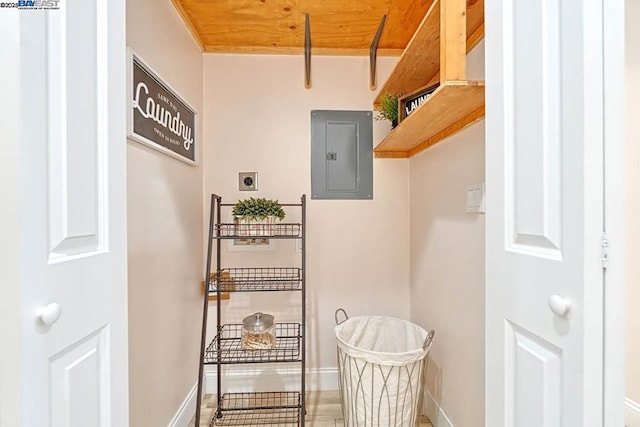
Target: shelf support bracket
x=453 y=40
x=307 y=52
x=373 y=55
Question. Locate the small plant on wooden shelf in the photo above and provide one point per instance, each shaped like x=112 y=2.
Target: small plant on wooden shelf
x=388 y=109
x=257 y=216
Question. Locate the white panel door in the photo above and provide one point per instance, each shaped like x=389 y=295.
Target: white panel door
x=544 y=144
x=72 y=112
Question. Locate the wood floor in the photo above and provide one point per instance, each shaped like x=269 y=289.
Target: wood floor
x=323 y=410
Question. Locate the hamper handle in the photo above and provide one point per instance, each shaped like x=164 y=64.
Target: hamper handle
x=429 y=340
x=346 y=316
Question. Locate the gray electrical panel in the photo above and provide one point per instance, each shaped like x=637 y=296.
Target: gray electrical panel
x=341 y=154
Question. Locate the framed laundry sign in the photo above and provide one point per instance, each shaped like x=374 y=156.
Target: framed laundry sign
x=158 y=116
x=409 y=103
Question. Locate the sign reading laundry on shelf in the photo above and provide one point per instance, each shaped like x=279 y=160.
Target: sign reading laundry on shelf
x=158 y=116
x=411 y=102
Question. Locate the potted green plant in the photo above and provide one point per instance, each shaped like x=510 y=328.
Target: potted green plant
x=258 y=215
x=388 y=109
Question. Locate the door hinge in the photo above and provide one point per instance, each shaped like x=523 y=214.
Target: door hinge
x=605 y=250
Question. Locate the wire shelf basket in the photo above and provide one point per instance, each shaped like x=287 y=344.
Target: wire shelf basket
x=258 y=231
x=287 y=346
x=265 y=409
x=258 y=279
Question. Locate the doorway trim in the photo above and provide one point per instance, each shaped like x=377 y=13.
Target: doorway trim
x=614 y=187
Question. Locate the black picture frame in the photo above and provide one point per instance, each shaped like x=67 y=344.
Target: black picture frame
x=158 y=117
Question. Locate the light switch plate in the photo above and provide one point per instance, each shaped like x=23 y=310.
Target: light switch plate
x=248 y=181
x=475 y=198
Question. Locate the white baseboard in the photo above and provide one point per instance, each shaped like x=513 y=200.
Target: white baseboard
x=318 y=379
x=435 y=413
x=186 y=410
x=269 y=379
x=632 y=413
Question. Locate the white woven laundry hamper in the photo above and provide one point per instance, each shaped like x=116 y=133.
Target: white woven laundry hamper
x=381 y=365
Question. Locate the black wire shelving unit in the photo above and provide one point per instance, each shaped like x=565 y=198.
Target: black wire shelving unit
x=276 y=408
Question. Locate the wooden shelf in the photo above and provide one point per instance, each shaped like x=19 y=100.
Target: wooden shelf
x=437 y=53
x=419 y=64
x=454 y=105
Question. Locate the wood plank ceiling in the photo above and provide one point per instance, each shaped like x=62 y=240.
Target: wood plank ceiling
x=338 y=27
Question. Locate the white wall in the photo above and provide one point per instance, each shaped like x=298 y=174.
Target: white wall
x=633 y=202
x=10 y=218
x=258 y=119
x=165 y=232
x=447 y=267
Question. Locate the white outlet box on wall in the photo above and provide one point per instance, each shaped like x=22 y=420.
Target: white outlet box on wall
x=248 y=245
x=475 y=198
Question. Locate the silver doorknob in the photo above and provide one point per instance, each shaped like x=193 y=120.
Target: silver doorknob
x=49 y=314
x=559 y=306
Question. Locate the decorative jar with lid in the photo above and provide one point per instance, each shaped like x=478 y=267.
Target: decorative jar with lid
x=258 y=332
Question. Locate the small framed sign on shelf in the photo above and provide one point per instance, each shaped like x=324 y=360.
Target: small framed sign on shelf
x=409 y=103
x=157 y=116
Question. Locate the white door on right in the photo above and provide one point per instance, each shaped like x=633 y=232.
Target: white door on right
x=544 y=180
